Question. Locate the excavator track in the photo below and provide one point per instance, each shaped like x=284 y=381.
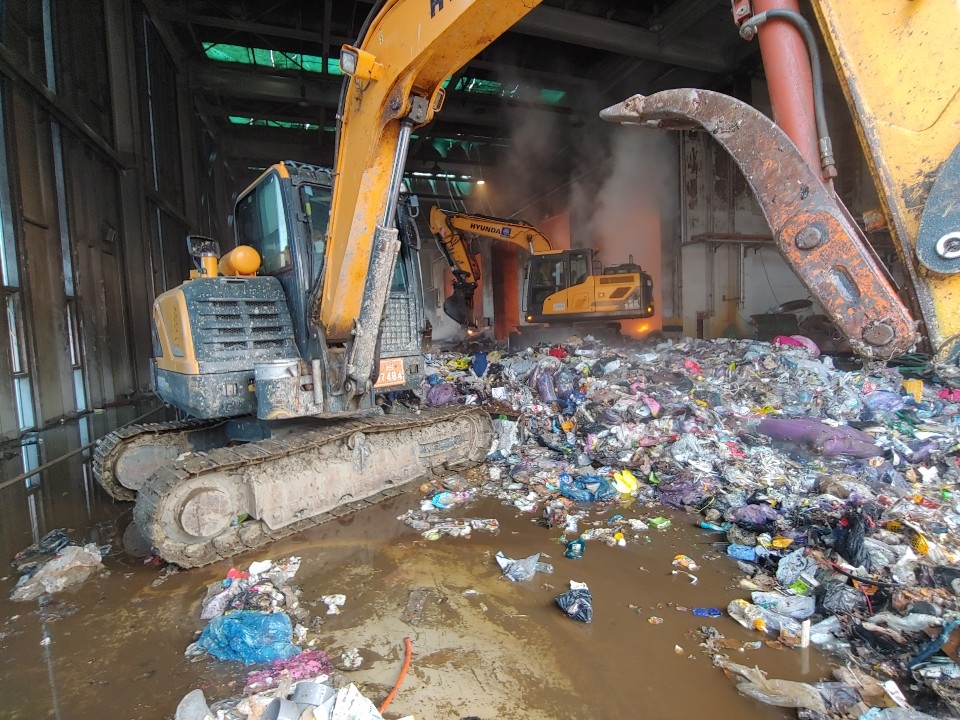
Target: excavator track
x=164 y=440
x=213 y=505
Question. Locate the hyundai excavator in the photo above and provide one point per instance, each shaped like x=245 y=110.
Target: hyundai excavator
x=900 y=73
x=561 y=286
x=274 y=349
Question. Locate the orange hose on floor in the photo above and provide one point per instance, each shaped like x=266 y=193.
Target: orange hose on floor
x=403 y=674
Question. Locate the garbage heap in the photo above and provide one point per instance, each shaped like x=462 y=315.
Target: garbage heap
x=255 y=617
x=834 y=491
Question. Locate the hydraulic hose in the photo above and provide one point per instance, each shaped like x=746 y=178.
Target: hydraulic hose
x=749 y=29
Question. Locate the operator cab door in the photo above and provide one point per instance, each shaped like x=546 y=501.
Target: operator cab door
x=264 y=221
x=549 y=274
x=580 y=296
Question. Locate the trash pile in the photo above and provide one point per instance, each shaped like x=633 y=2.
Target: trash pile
x=255 y=616
x=55 y=563
x=835 y=492
x=314 y=698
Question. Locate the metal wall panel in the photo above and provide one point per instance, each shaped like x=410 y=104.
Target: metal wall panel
x=41 y=260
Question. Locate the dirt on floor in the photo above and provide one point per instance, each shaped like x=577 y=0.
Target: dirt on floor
x=483 y=646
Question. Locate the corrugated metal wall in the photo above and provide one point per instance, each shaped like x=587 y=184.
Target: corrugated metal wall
x=99 y=184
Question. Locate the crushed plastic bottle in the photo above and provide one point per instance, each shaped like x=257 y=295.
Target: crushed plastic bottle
x=757 y=618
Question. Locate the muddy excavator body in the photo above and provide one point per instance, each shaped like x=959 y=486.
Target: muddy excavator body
x=278 y=350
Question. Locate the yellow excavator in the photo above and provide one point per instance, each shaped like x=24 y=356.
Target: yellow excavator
x=561 y=286
x=275 y=348
x=900 y=73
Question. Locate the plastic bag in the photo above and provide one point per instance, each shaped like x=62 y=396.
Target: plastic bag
x=850 y=545
x=884 y=401
x=838 y=598
x=441 y=394
x=820 y=437
x=753 y=517
x=792 y=565
x=518 y=570
x=575 y=549
x=799 y=607
x=781 y=693
x=566 y=384
x=742 y=552
x=577 y=602
x=589 y=488
x=546 y=389
x=249 y=637
x=71 y=566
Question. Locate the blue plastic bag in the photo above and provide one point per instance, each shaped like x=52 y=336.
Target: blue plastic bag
x=249 y=637
x=590 y=488
x=742 y=552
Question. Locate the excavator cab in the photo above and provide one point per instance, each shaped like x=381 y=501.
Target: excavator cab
x=285 y=215
x=573 y=286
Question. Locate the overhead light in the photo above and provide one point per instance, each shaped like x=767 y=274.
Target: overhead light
x=481 y=181
x=655 y=26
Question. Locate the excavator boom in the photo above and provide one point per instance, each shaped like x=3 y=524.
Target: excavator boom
x=906 y=107
x=451 y=230
x=406 y=52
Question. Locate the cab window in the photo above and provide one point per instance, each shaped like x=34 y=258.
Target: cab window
x=549 y=276
x=399 y=282
x=579 y=268
x=261 y=224
x=316 y=207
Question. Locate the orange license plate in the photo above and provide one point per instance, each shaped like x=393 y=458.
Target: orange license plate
x=391 y=373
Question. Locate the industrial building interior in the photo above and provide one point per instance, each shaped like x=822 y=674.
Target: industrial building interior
x=128 y=125
x=131 y=127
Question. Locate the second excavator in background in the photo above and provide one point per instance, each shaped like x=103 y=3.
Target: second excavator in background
x=561 y=287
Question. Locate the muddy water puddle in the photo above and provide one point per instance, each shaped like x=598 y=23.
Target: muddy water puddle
x=483 y=646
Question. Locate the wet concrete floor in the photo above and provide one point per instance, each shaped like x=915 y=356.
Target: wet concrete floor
x=484 y=646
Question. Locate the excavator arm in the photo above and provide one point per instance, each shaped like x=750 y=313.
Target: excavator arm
x=397 y=69
x=451 y=230
x=906 y=105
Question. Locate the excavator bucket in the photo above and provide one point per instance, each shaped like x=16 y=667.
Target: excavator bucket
x=812 y=229
x=459 y=306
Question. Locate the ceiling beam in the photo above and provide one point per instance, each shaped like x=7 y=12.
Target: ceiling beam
x=245 y=84
x=575 y=28
x=681 y=15
x=254 y=146
x=172 y=14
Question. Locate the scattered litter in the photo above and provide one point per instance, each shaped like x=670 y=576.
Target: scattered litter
x=351 y=659
x=334 y=603
x=520 y=570
x=70 y=565
x=577 y=602
x=835 y=492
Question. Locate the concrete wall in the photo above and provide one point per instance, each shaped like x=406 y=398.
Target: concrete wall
x=99 y=185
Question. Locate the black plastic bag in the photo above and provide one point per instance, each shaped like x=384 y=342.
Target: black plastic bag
x=577 y=603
